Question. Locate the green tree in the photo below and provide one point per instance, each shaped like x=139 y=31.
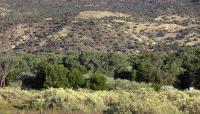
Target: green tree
x=96 y=81
x=148 y=72
x=171 y=70
x=71 y=61
x=56 y=76
x=76 y=79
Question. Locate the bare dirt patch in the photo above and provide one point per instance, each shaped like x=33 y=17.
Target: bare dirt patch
x=100 y=14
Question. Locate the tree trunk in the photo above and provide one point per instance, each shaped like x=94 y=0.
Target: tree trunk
x=2 y=81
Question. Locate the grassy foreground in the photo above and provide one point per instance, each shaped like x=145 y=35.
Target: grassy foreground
x=127 y=101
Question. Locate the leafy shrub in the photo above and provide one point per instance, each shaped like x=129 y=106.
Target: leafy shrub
x=71 y=61
x=96 y=81
x=76 y=79
x=56 y=76
x=148 y=72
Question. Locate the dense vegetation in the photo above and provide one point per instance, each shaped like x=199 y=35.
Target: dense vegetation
x=90 y=69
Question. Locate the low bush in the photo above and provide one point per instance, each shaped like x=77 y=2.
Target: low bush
x=76 y=79
x=56 y=76
x=96 y=81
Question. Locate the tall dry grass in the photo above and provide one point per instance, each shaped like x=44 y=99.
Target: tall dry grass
x=139 y=100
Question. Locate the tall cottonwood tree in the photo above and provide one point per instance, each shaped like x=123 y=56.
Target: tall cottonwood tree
x=6 y=62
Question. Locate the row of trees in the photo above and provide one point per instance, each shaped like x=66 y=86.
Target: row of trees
x=56 y=76
x=88 y=69
x=180 y=69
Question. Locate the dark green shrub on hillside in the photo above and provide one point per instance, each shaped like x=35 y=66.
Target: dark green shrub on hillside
x=105 y=63
x=71 y=61
x=171 y=70
x=147 y=72
x=96 y=81
x=56 y=76
x=76 y=79
x=91 y=61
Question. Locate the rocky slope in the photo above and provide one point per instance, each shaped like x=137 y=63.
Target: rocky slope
x=106 y=25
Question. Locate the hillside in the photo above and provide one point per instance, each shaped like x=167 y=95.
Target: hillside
x=106 y=25
x=99 y=56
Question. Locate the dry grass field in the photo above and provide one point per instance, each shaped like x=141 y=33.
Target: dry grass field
x=121 y=101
